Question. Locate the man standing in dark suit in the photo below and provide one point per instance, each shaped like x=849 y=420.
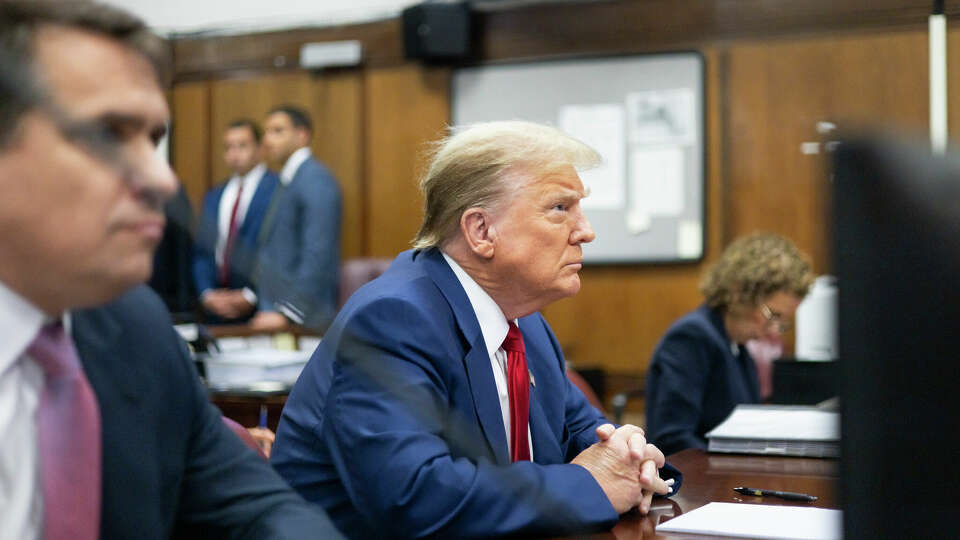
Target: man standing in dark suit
x=227 y=241
x=107 y=430
x=437 y=402
x=300 y=260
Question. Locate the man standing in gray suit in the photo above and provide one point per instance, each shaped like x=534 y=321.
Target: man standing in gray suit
x=299 y=263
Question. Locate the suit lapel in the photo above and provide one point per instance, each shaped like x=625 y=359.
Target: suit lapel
x=486 y=401
x=545 y=448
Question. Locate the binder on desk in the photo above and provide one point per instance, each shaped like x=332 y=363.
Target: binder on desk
x=778 y=430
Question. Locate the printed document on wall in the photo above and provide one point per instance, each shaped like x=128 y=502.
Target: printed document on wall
x=602 y=127
x=662 y=116
x=656 y=180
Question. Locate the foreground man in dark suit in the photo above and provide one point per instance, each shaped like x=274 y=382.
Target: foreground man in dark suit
x=437 y=403
x=107 y=431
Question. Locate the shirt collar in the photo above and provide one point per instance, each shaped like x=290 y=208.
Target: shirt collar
x=21 y=321
x=493 y=323
x=252 y=178
x=293 y=163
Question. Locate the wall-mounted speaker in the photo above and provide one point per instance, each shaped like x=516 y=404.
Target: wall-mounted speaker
x=437 y=32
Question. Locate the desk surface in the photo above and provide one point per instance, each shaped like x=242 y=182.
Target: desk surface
x=712 y=477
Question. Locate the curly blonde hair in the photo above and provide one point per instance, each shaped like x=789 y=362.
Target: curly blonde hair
x=754 y=267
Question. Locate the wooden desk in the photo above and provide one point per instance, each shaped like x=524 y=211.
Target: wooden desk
x=712 y=477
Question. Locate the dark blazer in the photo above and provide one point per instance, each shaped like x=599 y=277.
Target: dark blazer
x=395 y=428
x=246 y=246
x=300 y=259
x=170 y=467
x=695 y=381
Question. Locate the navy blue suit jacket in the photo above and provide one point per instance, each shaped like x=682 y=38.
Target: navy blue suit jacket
x=695 y=381
x=246 y=246
x=395 y=424
x=170 y=467
x=300 y=259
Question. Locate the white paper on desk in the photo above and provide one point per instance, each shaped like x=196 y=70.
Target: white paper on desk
x=758 y=521
x=239 y=368
x=601 y=127
x=779 y=422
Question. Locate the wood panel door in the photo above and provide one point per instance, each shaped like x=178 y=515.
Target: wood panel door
x=778 y=91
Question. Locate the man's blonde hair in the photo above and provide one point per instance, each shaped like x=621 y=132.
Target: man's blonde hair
x=754 y=267
x=467 y=169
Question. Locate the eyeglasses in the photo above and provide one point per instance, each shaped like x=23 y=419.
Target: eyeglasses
x=775 y=319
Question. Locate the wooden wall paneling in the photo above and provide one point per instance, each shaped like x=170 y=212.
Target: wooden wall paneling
x=542 y=30
x=777 y=92
x=189 y=140
x=953 y=83
x=270 y=52
x=338 y=142
x=406 y=107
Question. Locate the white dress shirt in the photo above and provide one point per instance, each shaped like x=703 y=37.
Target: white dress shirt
x=293 y=163
x=494 y=327
x=21 y=380
x=250 y=182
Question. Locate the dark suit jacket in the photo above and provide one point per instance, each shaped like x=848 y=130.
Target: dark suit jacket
x=695 y=381
x=300 y=260
x=170 y=467
x=245 y=247
x=395 y=424
x=172 y=275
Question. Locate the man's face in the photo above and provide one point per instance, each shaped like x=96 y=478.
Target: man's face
x=241 y=151
x=77 y=229
x=538 y=236
x=281 y=138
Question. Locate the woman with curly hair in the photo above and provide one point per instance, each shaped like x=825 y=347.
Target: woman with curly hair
x=701 y=368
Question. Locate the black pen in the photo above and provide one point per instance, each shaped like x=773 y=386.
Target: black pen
x=788 y=495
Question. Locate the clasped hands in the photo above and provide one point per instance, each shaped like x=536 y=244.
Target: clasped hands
x=625 y=466
x=226 y=303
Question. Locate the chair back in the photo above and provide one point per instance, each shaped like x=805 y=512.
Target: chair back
x=356 y=272
x=584 y=387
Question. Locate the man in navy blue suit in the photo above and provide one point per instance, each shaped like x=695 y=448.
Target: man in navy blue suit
x=107 y=431
x=299 y=264
x=227 y=240
x=437 y=402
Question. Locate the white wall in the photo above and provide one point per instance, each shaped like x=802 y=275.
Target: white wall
x=244 y=16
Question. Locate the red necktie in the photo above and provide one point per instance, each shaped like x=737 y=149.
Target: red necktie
x=231 y=238
x=518 y=388
x=68 y=439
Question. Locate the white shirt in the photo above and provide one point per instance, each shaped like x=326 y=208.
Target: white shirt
x=293 y=163
x=494 y=327
x=250 y=182
x=21 y=380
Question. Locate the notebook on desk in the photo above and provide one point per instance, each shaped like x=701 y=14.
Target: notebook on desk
x=782 y=430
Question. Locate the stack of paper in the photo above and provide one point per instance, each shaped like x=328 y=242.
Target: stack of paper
x=247 y=367
x=779 y=430
x=758 y=521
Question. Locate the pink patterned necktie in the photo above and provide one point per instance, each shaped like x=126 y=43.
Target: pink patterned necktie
x=68 y=439
x=518 y=388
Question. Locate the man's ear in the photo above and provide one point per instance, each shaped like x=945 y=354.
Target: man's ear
x=478 y=231
x=303 y=136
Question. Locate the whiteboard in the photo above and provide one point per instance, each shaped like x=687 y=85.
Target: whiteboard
x=644 y=114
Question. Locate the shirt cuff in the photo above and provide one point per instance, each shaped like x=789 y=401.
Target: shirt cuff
x=249 y=295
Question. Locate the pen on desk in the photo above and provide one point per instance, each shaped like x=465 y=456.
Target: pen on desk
x=263 y=416
x=788 y=495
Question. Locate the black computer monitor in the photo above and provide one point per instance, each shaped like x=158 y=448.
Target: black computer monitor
x=896 y=253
